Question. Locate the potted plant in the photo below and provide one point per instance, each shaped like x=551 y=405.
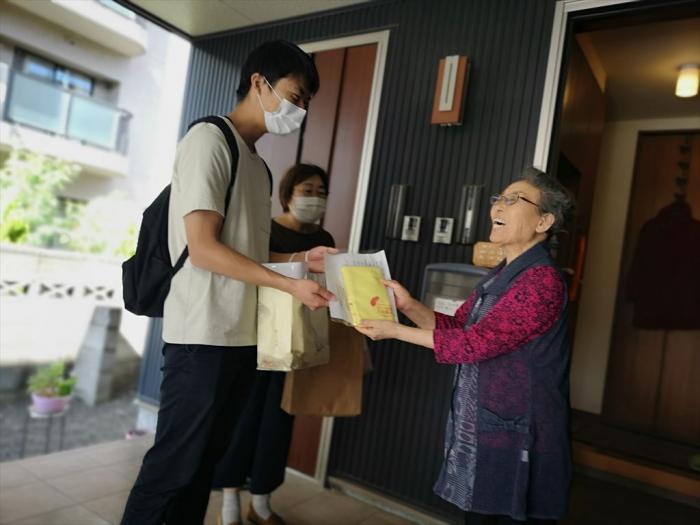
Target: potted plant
x=50 y=388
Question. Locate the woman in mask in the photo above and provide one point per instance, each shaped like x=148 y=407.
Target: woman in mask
x=303 y=192
x=261 y=440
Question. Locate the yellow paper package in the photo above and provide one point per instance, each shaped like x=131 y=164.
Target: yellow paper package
x=367 y=297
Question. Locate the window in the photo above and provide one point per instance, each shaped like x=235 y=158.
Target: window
x=51 y=72
x=38 y=67
x=74 y=81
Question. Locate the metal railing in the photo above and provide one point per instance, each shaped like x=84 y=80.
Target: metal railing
x=42 y=105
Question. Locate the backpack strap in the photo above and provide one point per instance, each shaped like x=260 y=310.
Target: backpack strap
x=233 y=147
x=269 y=175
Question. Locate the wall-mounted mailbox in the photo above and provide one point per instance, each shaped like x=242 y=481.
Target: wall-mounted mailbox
x=447 y=285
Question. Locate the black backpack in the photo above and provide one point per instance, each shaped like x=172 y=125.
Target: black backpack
x=146 y=276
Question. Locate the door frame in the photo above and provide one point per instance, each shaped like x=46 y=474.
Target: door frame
x=554 y=84
x=381 y=39
x=552 y=79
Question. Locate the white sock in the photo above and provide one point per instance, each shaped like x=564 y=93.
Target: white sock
x=231 y=508
x=261 y=504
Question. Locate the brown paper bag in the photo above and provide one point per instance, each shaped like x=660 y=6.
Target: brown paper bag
x=334 y=389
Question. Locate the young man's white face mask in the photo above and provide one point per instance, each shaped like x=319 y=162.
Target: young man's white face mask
x=307 y=210
x=286 y=119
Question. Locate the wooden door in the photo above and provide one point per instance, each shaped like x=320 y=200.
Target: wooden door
x=652 y=384
x=344 y=167
x=332 y=137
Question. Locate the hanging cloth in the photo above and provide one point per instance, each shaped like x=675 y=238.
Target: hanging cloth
x=664 y=279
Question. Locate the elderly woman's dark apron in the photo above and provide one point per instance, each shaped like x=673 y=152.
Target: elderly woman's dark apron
x=507 y=446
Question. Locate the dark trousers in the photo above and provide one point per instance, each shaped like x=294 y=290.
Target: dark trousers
x=203 y=392
x=472 y=518
x=260 y=444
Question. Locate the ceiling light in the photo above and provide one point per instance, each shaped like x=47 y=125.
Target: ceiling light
x=687 y=83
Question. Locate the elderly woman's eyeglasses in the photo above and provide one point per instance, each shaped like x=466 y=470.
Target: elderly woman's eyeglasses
x=510 y=199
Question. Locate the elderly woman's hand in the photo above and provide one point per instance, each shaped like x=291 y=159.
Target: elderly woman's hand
x=401 y=295
x=378 y=330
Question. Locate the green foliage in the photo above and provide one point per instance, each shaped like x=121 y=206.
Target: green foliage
x=31 y=212
x=127 y=247
x=105 y=226
x=51 y=381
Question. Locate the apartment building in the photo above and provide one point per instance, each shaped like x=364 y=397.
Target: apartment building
x=91 y=82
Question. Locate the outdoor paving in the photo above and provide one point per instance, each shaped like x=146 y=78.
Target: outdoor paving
x=89 y=486
x=88 y=482
x=85 y=425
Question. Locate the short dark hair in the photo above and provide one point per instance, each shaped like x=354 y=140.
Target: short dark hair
x=295 y=176
x=278 y=59
x=554 y=197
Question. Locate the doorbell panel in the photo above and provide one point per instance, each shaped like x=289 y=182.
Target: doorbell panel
x=442 y=234
x=411 y=228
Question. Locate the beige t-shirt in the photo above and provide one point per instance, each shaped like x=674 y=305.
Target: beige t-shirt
x=203 y=307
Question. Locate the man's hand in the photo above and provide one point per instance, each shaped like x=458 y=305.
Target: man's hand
x=314 y=258
x=378 y=330
x=312 y=294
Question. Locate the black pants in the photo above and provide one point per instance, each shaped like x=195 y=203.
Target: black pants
x=203 y=393
x=472 y=518
x=260 y=444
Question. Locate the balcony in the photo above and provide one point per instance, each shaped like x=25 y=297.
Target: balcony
x=61 y=123
x=104 y=22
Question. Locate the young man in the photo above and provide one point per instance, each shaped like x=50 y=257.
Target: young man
x=209 y=321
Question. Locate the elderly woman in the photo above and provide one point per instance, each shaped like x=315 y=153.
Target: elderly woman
x=507 y=457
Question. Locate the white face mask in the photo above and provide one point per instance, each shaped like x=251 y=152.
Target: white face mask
x=307 y=210
x=286 y=119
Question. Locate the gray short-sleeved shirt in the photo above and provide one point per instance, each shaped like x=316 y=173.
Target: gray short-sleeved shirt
x=203 y=307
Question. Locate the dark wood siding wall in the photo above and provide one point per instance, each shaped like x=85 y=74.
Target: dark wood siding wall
x=396 y=445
